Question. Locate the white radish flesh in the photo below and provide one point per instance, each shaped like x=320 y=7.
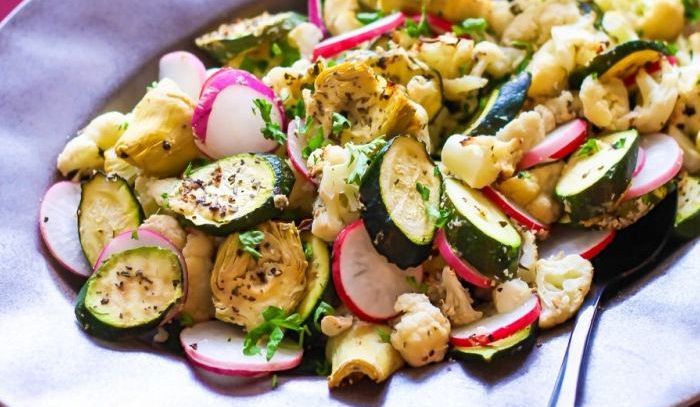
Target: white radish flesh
x=586 y=243
x=217 y=347
x=295 y=146
x=185 y=69
x=365 y=280
x=513 y=210
x=351 y=39
x=561 y=142
x=58 y=224
x=664 y=159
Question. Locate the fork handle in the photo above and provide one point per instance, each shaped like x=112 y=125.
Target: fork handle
x=566 y=390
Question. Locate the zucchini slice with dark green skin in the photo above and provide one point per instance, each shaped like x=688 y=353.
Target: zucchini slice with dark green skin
x=687 y=223
x=620 y=61
x=597 y=175
x=131 y=293
x=232 y=194
x=396 y=192
x=502 y=105
x=230 y=40
x=519 y=341
x=107 y=208
x=479 y=232
x=317 y=273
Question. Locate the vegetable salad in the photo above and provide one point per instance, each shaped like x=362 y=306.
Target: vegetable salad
x=379 y=183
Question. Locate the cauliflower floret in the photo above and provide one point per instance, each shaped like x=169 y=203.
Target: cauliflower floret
x=198 y=252
x=479 y=160
x=106 y=129
x=528 y=129
x=655 y=19
x=500 y=16
x=422 y=334
x=548 y=74
x=332 y=325
x=495 y=60
x=658 y=99
x=565 y=107
x=619 y=27
x=691 y=155
x=457 y=303
x=288 y=82
x=79 y=157
x=426 y=92
x=605 y=103
x=340 y=15
x=305 y=37
x=530 y=251
x=536 y=19
x=115 y=165
x=167 y=226
x=456 y=89
x=446 y=54
x=510 y=295
x=562 y=284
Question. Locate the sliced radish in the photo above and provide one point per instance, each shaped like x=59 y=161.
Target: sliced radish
x=463 y=269
x=185 y=69
x=316 y=15
x=513 y=210
x=561 y=142
x=498 y=326
x=295 y=146
x=58 y=223
x=586 y=243
x=438 y=24
x=664 y=159
x=366 y=282
x=217 y=347
x=343 y=42
x=226 y=122
x=641 y=161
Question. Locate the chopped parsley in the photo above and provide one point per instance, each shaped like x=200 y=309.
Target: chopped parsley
x=135 y=234
x=152 y=86
x=523 y=175
x=254 y=65
x=272 y=130
x=384 y=335
x=322 y=310
x=361 y=156
x=473 y=27
x=273 y=327
x=314 y=143
x=692 y=10
x=323 y=368
x=423 y=191
x=442 y=215
x=308 y=251
x=193 y=165
x=339 y=123
x=186 y=319
x=123 y=126
x=418 y=287
x=250 y=241
x=619 y=143
x=588 y=148
x=421 y=28
x=275 y=49
x=369 y=17
x=166 y=200
x=298 y=110
x=529 y=50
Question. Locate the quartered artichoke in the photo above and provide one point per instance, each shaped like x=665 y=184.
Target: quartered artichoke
x=243 y=287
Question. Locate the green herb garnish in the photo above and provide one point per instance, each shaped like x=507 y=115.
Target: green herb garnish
x=418 y=287
x=339 y=123
x=193 y=165
x=421 y=28
x=619 y=143
x=423 y=191
x=273 y=327
x=384 y=336
x=166 y=200
x=250 y=241
x=323 y=368
x=369 y=17
x=271 y=131
x=322 y=310
x=361 y=155
x=588 y=148
x=314 y=143
x=186 y=319
x=473 y=27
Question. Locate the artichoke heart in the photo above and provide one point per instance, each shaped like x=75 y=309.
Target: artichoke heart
x=375 y=107
x=160 y=140
x=360 y=352
x=243 y=287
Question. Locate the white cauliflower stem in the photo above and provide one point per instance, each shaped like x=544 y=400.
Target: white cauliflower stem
x=168 y=227
x=510 y=295
x=457 y=304
x=422 y=334
x=562 y=284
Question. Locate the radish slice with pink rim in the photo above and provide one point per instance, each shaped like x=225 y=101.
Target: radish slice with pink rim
x=226 y=121
x=295 y=147
x=438 y=24
x=664 y=159
x=463 y=269
x=315 y=10
x=641 y=161
x=587 y=243
x=185 y=69
x=58 y=225
x=364 y=279
x=514 y=211
x=217 y=347
x=351 y=39
x=498 y=326
x=561 y=142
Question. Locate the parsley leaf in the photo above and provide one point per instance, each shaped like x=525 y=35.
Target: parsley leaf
x=123 y=126
x=166 y=200
x=135 y=234
x=322 y=310
x=250 y=241
x=443 y=217
x=369 y=17
x=271 y=131
x=298 y=110
x=273 y=327
x=254 y=65
x=313 y=144
x=152 y=86
x=384 y=335
x=339 y=123
x=308 y=251
x=524 y=175
x=474 y=27
x=186 y=319
x=361 y=156
x=423 y=191
x=193 y=165
x=275 y=49
x=418 y=287
x=588 y=148
x=323 y=368
x=692 y=10
x=529 y=50
x=421 y=28
x=619 y=143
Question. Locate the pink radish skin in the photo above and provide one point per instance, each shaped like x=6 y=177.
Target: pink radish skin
x=586 y=243
x=438 y=24
x=185 y=69
x=217 y=347
x=463 y=269
x=664 y=159
x=294 y=151
x=58 y=225
x=225 y=121
x=561 y=142
x=641 y=161
x=366 y=282
x=498 y=326
x=343 y=42
x=514 y=211
x=316 y=15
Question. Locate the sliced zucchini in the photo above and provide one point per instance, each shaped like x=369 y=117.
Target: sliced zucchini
x=131 y=293
x=480 y=233
x=397 y=191
x=107 y=208
x=231 y=40
x=519 y=341
x=687 y=222
x=317 y=273
x=232 y=194
x=502 y=105
x=620 y=61
x=598 y=174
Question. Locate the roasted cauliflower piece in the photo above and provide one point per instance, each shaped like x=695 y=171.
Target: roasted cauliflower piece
x=159 y=140
x=535 y=20
x=534 y=191
x=509 y=295
x=562 y=284
x=374 y=106
x=360 y=352
x=422 y=333
x=243 y=287
x=605 y=103
x=79 y=158
x=655 y=19
x=658 y=99
x=168 y=227
x=198 y=252
x=457 y=302
x=339 y=16
x=478 y=161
